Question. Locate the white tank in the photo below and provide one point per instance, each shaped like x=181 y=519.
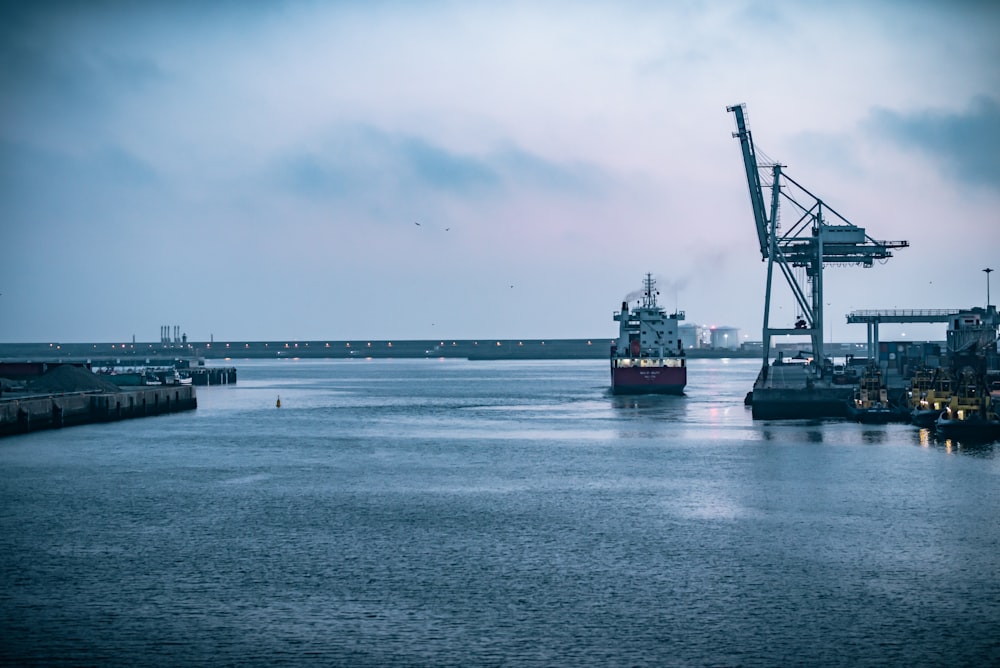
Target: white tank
x=725 y=338
x=692 y=335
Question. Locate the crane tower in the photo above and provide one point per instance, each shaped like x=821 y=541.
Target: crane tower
x=809 y=242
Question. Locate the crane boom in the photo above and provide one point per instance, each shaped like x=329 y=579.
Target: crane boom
x=753 y=177
x=818 y=237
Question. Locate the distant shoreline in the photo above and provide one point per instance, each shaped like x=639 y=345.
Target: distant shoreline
x=136 y=354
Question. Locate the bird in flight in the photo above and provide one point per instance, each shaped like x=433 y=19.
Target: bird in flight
x=417 y=224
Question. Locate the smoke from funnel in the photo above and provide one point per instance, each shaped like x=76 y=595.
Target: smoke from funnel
x=664 y=286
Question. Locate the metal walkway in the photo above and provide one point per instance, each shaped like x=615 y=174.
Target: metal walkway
x=873 y=318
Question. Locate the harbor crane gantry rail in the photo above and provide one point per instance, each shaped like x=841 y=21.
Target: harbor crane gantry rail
x=809 y=242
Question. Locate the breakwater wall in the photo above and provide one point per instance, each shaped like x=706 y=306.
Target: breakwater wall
x=21 y=414
x=164 y=354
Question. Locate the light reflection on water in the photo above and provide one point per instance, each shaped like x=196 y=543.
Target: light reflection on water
x=442 y=512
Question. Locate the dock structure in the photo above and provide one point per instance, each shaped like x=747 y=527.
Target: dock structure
x=53 y=395
x=789 y=391
x=23 y=413
x=799 y=247
x=874 y=317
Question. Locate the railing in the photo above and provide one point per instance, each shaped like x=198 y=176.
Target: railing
x=907 y=312
x=932 y=314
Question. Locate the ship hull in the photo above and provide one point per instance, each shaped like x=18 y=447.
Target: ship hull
x=648 y=380
x=972 y=429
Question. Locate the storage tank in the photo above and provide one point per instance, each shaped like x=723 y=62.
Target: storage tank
x=725 y=338
x=692 y=335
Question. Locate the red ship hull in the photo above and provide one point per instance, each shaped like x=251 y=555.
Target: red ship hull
x=648 y=380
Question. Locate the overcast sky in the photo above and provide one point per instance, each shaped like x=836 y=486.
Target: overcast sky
x=256 y=170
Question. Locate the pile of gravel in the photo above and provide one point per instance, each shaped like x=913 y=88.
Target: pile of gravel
x=70 y=378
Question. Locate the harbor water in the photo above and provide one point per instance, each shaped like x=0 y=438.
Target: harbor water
x=428 y=512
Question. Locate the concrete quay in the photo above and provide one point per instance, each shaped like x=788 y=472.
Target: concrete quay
x=23 y=413
x=788 y=391
x=791 y=391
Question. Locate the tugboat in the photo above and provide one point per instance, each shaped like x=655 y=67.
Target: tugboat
x=647 y=357
x=929 y=394
x=870 y=403
x=970 y=414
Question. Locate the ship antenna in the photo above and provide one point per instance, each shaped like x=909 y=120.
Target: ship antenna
x=650 y=300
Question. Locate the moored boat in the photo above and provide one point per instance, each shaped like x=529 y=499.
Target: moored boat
x=647 y=357
x=929 y=397
x=970 y=414
x=870 y=403
x=971 y=427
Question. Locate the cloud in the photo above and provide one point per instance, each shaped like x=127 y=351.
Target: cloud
x=82 y=177
x=966 y=143
x=436 y=167
x=364 y=162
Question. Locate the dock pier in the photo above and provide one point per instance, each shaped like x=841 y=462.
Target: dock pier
x=213 y=375
x=788 y=391
x=20 y=414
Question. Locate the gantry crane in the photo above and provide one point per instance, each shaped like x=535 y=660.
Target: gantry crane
x=809 y=242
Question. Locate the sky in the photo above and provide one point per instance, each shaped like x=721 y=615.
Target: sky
x=376 y=170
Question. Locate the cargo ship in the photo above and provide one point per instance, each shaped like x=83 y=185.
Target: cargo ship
x=648 y=357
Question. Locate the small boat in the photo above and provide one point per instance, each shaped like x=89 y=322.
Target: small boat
x=873 y=413
x=976 y=426
x=970 y=415
x=927 y=400
x=870 y=403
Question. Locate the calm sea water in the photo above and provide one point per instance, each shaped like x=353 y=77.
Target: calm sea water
x=433 y=512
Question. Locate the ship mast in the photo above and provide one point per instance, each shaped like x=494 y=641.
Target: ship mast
x=649 y=295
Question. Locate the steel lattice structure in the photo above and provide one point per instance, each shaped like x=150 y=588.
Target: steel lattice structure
x=810 y=241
